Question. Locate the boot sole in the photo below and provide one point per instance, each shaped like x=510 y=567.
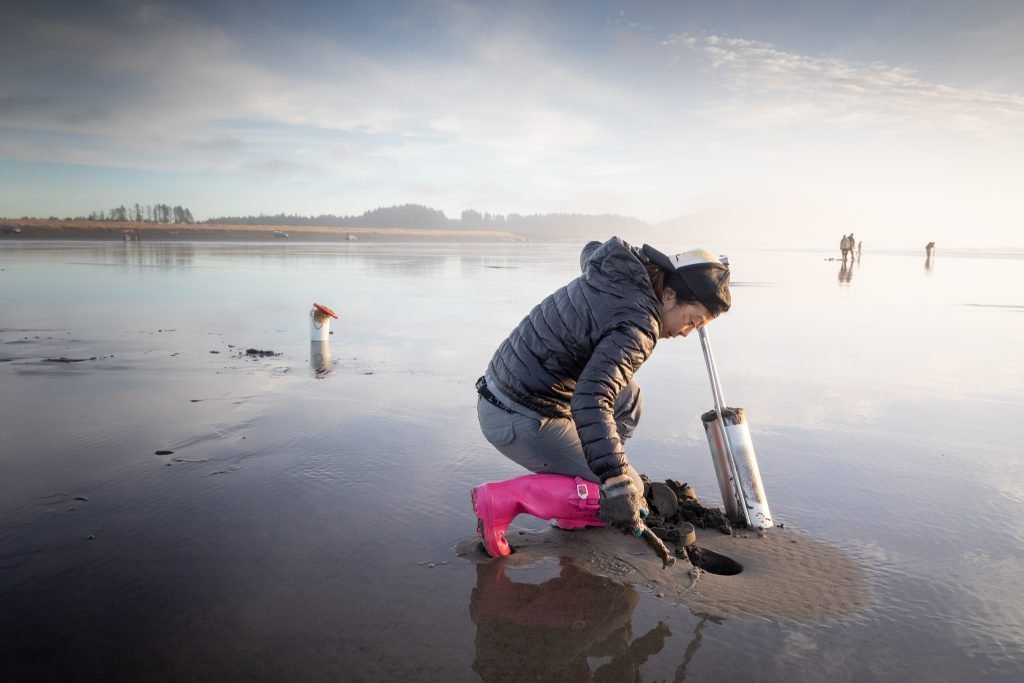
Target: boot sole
x=481 y=530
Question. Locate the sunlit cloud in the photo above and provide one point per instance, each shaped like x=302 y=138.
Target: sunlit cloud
x=773 y=87
x=281 y=169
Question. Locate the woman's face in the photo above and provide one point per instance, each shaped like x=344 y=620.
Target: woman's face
x=681 y=318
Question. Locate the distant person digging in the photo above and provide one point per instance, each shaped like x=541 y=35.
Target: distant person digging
x=929 y=249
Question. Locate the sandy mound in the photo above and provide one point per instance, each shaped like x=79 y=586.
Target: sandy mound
x=786 y=575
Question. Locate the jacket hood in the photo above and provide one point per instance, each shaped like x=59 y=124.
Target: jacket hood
x=614 y=263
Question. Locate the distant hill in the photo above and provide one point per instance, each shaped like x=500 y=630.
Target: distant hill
x=406 y=216
x=552 y=226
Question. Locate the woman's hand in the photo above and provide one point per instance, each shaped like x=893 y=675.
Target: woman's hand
x=622 y=505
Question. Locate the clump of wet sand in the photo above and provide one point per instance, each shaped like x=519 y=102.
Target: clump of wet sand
x=786 y=575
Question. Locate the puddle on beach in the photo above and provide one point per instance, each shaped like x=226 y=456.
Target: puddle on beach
x=311 y=519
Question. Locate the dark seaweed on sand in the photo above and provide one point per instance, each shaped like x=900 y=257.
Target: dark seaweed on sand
x=673 y=503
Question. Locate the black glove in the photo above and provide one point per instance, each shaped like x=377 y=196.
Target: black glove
x=622 y=505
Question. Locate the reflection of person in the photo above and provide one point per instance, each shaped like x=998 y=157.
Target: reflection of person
x=547 y=631
x=558 y=396
x=846 y=272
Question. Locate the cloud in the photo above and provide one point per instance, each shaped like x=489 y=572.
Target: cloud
x=773 y=87
x=14 y=105
x=499 y=110
x=156 y=82
x=280 y=168
x=218 y=143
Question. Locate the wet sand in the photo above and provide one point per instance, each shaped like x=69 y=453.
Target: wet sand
x=786 y=575
x=307 y=523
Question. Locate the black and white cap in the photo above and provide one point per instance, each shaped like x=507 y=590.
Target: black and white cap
x=696 y=274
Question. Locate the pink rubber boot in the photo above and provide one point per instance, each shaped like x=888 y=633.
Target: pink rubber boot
x=571 y=502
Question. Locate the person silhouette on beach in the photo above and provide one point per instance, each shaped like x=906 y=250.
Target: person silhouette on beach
x=844 y=246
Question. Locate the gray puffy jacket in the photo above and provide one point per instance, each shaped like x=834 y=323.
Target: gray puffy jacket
x=579 y=347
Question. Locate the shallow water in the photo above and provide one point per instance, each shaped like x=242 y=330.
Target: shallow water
x=305 y=525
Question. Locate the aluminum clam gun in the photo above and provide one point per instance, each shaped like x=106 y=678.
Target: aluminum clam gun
x=739 y=477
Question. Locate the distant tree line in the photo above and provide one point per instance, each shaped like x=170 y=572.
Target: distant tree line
x=549 y=224
x=137 y=213
x=418 y=216
x=404 y=216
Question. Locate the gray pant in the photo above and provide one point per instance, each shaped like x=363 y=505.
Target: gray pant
x=551 y=445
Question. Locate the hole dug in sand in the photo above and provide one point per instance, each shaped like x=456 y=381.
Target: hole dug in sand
x=674 y=513
x=712 y=562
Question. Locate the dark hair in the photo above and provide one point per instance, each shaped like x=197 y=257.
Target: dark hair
x=661 y=278
x=657 y=277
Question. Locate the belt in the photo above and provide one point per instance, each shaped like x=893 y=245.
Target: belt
x=485 y=393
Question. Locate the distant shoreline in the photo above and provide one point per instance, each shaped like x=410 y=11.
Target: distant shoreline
x=12 y=229
x=43 y=229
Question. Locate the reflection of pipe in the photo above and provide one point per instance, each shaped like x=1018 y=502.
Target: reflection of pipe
x=320 y=358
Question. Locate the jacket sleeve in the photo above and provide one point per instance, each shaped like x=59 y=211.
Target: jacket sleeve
x=615 y=359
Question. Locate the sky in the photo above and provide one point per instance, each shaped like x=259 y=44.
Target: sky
x=784 y=122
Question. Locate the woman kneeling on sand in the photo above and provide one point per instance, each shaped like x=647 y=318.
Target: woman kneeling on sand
x=558 y=396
